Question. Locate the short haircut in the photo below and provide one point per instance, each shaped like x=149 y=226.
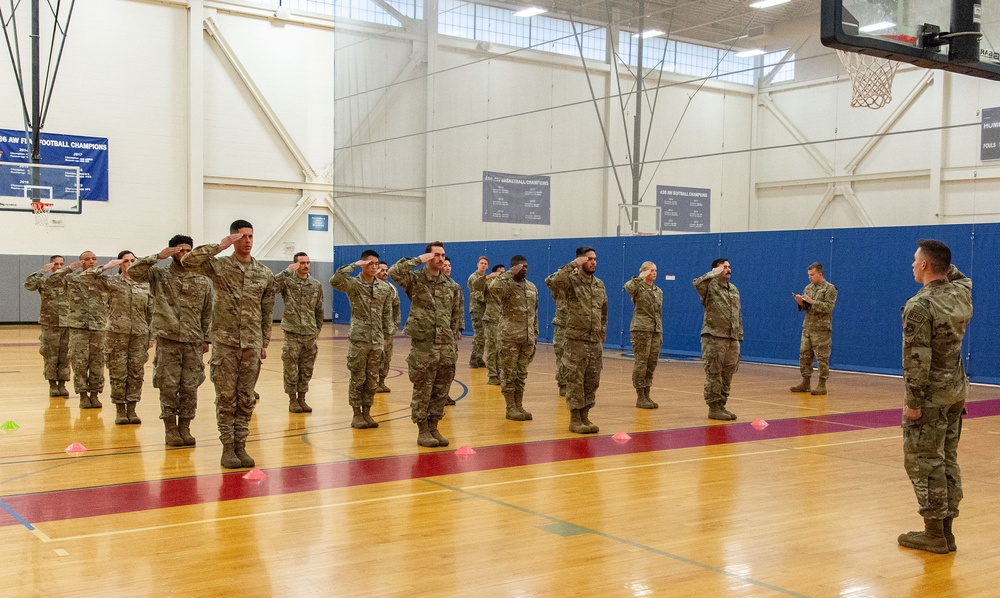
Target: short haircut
x=369 y=253
x=483 y=257
x=447 y=259
x=237 y=225
x=383 y=264
x=53 y=258
x=180 y=240
x=719 y=260
x=433 y=244
x=124 y=252
x=816 y=266
x=583 y=249
x=937 y=254
x=497 y=267
x=295 y=258
x=518 y=259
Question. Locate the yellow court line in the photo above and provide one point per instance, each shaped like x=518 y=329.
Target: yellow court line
x=812 y=446
x=47 y=539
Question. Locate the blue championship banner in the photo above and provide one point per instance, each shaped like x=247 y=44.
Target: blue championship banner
x=515 y=198
x=90 y=154
x=685 y=209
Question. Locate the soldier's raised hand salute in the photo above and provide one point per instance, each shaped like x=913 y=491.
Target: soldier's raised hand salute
x=228 y=240
x=168 y=252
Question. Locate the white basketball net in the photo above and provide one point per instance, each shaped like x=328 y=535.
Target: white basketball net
x=41 y=210
x=871 y=79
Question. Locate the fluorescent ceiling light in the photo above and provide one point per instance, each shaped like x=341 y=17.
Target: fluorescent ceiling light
x=749 y=53
x=530 y=12
x=767 y=3
x=649 y=33
x=876 y=27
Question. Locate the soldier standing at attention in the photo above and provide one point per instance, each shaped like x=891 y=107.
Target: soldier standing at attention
x=477 y=307
x=490 y=318
x=88 y=324
x=241 y=331
x=435 y=322
x=54 y=337
x=397 y=319
x=558 y=333
x=453 y=356
x=182 y=325
x=517 y=333
x=817 y=300
x=646 y=331
x=302 y=322
x=934 y=322
x=371 y=316
x=128 y=341
x=586 y=329
x=721 y=334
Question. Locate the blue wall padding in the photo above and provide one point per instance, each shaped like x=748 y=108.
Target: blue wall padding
x=870 y=266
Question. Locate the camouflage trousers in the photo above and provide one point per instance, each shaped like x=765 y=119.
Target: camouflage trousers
x=363 y=361
x=86 y=355
x=492 y=348
x=582 y=364
x=722 y=359
x=559 y=345
x=478 y=338
x=383 y=369
x=298 y=357
x=432 y=369
x=234 y=372
x=126 y=355
x=178 y=371
x=515 y=357
x=646 y=349
x=930 y=455
x=815 y=343
x=54 y=348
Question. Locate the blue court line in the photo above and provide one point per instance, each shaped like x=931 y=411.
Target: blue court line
x=17 y=517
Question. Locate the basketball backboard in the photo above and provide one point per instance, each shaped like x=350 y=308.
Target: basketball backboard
x=21 y=183
x=934 y=34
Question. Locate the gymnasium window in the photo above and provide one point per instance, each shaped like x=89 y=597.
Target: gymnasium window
x=785 y=73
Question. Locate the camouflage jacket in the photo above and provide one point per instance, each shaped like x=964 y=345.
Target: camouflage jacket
x=371 y=305
x=518 y=309
x=182 y=300
x=55 y=299
x=244 y=297
x=559 y=319
x=586 y=303
x=477 y=292
x=87 y=292
x=934 y=322
x=397 y=314
x=492 y=312
x=648 y=302
x=131 y=309
x=819 y=315
x=436 y=311
x=303 y=298
x=723 y=315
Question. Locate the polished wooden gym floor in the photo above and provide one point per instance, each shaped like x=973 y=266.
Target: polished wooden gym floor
x=808 y=506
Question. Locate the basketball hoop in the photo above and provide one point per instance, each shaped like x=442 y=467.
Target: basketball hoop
x=41 y=210
x=871 y=76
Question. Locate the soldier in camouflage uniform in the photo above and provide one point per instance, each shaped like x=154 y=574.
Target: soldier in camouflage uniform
x=397 y=319
x=477 y=308
x=434 y=324
x=721 y=334
x=452 y=360
x=54 y=337
x=586 y=329
x=558 y=333
x=817 y=300
x=88 y=324
x=241 y=331
x=646 y=331
x=302 y=322
x=371 y=317
x=517 y=333
x=182 y=325
x=491 y=316
x=934 y=323
x=128 y=341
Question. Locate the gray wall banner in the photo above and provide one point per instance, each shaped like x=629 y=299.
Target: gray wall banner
x=515 y=198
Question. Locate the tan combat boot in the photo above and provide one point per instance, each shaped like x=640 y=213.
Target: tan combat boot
x=240 y=450
x=519 y=403
x=432 y=427
x=803 y=386
x=54 y=388
x=576 y=424
x=184 y=430
x=366 y=412
x=229 y=458
x=381 y=385
x=424 y=436
x=359 y=420
x=586 y=420
x=63 y=391
x=171 y=436
x=293 y=403
x=302 y=403
x=820 y=388
x=94 y=402
x=133 y=417
x=716 y=411
x=121 y=418
x=642 y=399
x=513 y=413
x=931 y=539
x=949 y=536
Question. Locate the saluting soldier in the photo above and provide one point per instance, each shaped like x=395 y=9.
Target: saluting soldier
x=517 y=333
x=646 y=331
x=54 y=337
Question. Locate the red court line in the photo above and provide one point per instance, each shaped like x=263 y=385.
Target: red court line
x=160 y=494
